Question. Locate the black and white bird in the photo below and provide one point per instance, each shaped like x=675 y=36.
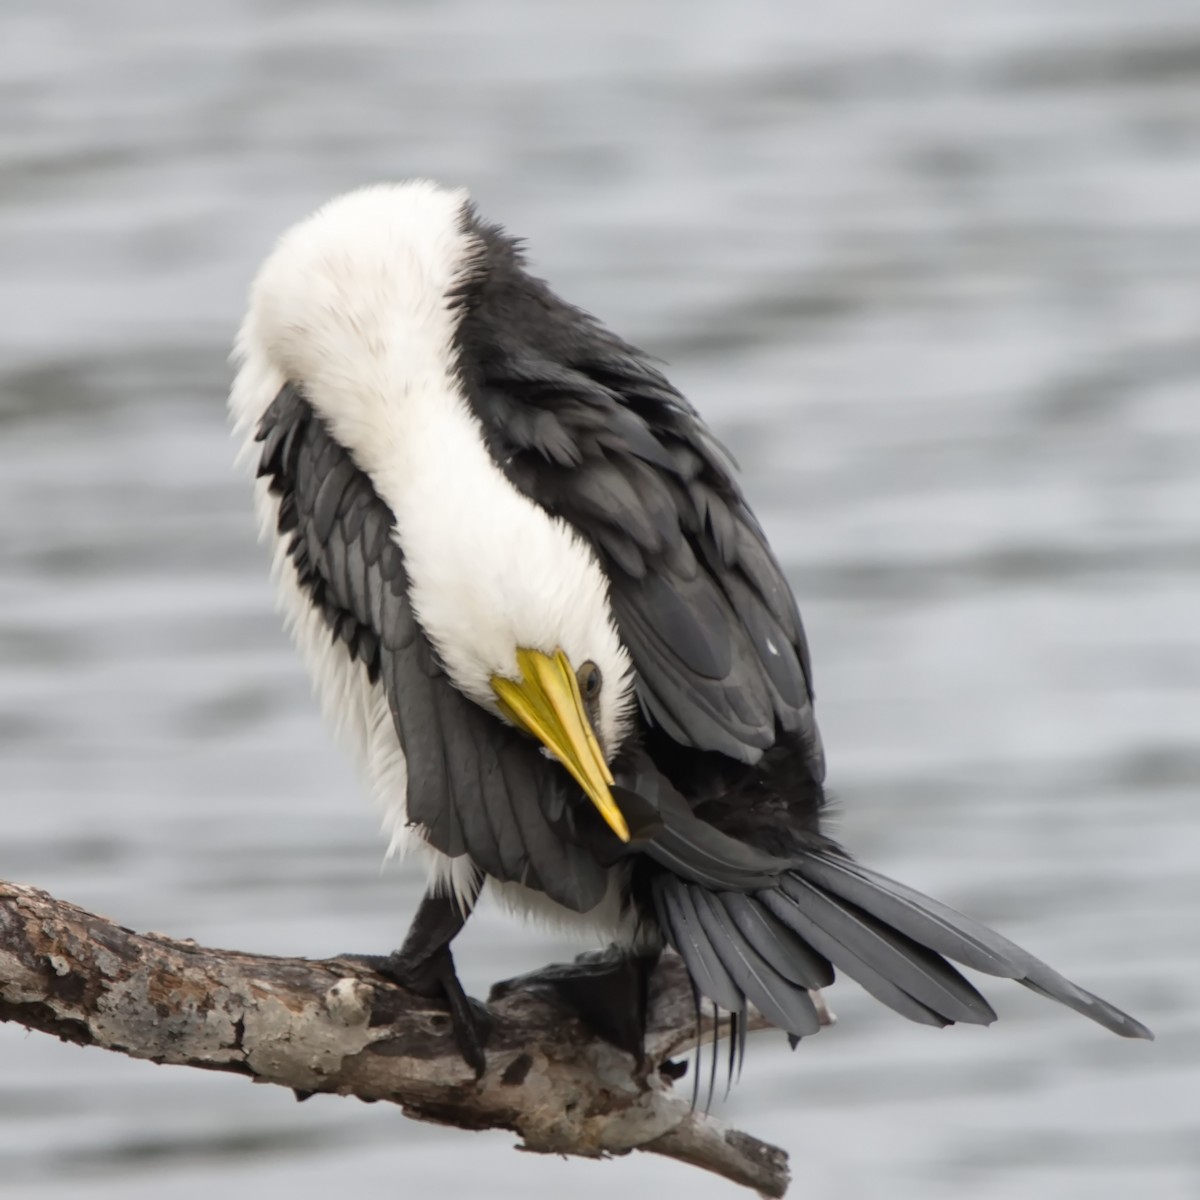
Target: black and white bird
x=537 y=607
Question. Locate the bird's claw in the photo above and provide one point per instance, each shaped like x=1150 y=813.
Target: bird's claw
x=434 y=978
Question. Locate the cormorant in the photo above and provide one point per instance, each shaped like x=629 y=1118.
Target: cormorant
x=537 y=606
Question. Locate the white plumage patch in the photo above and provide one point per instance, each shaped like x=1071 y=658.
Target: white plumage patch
x=354 y=307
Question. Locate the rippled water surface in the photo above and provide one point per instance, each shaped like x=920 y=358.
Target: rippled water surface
x=932 y=270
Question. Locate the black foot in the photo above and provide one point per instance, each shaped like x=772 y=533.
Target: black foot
x=434 y=977
x=608 y=990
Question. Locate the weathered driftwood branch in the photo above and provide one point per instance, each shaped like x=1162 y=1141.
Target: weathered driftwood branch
x=334 y=1026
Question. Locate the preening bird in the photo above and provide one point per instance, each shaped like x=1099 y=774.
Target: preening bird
x=537 y=607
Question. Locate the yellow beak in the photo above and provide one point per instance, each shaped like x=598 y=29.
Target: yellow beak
x=546 y=702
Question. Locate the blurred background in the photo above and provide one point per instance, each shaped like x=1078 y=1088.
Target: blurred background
x=932 y=271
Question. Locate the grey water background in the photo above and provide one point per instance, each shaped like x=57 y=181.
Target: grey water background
x=931 y=269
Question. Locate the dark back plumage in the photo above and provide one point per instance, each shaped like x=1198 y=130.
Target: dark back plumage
x=583 y=424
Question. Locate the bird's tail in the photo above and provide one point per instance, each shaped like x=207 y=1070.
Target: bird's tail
x=771 y=945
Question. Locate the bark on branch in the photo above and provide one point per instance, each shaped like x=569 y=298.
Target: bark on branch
x=334 y=1026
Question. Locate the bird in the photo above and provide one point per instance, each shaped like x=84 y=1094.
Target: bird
x=539 y=611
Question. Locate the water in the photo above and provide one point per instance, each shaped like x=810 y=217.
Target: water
x=931 y=270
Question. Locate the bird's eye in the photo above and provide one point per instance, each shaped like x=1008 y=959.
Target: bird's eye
x=589 y=678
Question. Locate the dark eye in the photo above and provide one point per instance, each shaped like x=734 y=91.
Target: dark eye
x=590 y=679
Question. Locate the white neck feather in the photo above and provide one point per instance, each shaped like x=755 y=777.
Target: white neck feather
x=353 y=307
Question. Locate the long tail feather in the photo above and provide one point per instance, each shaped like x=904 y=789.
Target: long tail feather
x=959 y=937
x=792 y=958
x=868 y=950
x=782 y=1002
x=755 y=926
x=677 y=914
x=771 y=946
x=877 y=984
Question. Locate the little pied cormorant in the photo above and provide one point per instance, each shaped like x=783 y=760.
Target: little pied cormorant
x=536 y=605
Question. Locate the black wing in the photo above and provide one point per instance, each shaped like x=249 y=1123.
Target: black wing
x=475 y=785
x=583 y=424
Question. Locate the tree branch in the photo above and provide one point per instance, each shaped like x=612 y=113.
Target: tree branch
x=334 y=1026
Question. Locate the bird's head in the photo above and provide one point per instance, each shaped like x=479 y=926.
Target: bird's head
x=362 y=308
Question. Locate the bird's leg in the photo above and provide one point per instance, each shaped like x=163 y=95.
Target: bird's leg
x=425 y=965
x=613 y=998
x=609 y=990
